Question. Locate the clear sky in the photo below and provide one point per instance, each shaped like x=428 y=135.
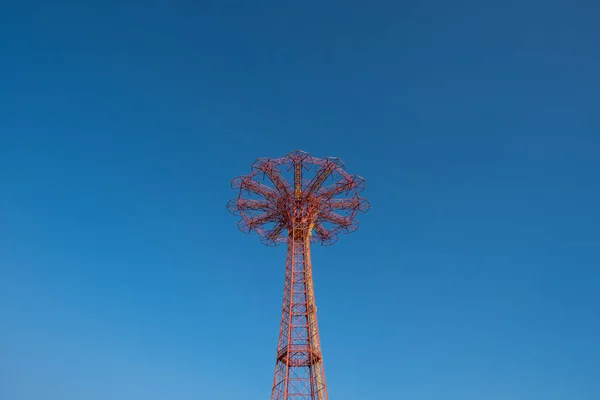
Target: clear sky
x=475 y=275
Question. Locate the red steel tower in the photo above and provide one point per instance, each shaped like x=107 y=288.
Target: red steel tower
x=298 y=200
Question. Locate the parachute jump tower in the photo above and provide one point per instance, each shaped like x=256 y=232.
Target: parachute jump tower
x=298 y=200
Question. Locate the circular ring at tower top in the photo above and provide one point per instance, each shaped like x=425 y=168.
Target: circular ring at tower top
x=298 y=195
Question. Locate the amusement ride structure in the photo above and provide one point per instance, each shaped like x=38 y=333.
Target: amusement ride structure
x=298 y=199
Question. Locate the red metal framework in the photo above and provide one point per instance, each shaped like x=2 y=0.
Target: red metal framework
x=298 y=200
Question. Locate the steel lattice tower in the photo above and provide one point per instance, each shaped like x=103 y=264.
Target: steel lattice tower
x=298 y=200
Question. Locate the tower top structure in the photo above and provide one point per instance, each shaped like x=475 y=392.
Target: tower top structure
x=298 y=195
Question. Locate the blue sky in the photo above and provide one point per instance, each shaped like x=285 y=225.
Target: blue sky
x=474 y=276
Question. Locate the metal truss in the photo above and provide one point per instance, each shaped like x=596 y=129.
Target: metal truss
x=298 y=199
